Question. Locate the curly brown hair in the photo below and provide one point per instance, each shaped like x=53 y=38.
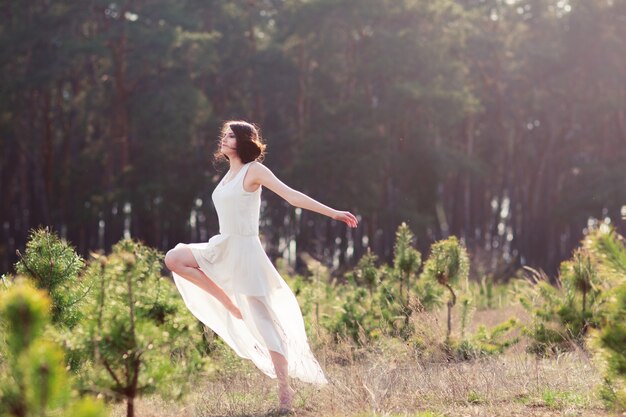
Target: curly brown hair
x=250 y=146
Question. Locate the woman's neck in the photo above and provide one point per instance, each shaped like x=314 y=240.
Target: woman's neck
x=235 y=164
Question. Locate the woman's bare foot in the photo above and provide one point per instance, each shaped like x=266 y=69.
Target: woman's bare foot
x=285 y=395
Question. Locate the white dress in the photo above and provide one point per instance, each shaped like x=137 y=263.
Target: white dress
x=235 y=260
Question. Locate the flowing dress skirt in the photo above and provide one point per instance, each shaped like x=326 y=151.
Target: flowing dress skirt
x=272 y=319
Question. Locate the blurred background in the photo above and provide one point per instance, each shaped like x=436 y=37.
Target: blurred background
x=502 y=122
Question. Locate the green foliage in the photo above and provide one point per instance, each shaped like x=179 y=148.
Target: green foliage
x=366 y=272
x=547 y=340
x=493 y=340
x=392 y=294
x=563 y=314
x=317 y=297
x=485 y=342
x=561 y=399
x=34 y=381
x=430 y=294
x=86 y=407
x=356 y=318
x=392 y=306
x=406 y=263
x=609 y=344
x=448 y=264
x=466 y=312
x=139 y=337
x=608 y=341
x=406 y=259
x=607 y=250
x=24 y=315
x=45 y=378
x=577 y=311
x=487 y=294
x=474 y=397
x=486 y=289
x=557 y=322
x=54 y=266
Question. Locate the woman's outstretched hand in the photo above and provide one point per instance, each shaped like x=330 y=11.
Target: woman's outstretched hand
x=347 y=217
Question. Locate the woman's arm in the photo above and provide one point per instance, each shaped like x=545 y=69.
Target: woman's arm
x=260 y=174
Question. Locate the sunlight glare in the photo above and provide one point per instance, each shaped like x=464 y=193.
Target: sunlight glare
x=131 y=16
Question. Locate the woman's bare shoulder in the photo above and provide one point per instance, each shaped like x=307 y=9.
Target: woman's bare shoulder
x=258 y=166
x=258 y=170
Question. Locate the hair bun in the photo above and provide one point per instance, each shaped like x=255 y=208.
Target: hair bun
x=250 y=146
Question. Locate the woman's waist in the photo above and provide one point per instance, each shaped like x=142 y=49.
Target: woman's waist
x=230 y=231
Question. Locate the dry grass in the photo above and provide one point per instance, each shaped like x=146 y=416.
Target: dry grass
x=387 y=379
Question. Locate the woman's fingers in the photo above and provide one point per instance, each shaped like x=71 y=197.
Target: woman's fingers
x=350 y=219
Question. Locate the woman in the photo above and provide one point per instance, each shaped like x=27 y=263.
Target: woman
x=244 y=299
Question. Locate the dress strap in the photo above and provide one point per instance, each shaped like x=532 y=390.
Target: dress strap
x=242 y=173
x=243 y=170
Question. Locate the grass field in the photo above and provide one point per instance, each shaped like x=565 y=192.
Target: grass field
x=387 y=379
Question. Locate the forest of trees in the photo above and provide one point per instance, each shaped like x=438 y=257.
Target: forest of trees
x=502 y=122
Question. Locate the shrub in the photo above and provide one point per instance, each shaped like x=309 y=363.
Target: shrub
x=448 y=264
x=34 y=381
x=138 y=338
x=608 y=340
x=563 y=313
x=54 y=265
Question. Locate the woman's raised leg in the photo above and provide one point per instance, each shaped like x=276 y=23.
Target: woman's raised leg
x=181 y=261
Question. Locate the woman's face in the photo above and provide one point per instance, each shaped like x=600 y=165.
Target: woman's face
x=228 y=143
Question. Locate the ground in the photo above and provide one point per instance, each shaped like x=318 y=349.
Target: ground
x=387 y=379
